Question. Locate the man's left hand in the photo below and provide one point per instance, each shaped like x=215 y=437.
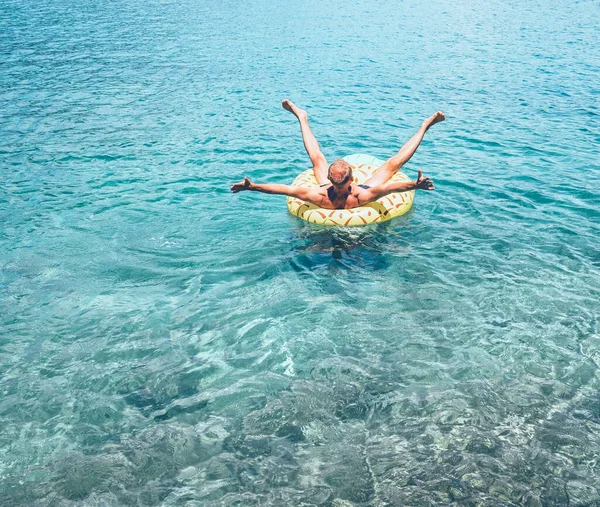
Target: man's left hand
x=242 y=185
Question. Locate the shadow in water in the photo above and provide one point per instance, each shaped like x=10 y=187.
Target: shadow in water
x=368 y=248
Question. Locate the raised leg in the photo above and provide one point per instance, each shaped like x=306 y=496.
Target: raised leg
x=392 y=165
x=311 y=144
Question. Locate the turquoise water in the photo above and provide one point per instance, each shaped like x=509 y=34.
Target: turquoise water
x=164 y=342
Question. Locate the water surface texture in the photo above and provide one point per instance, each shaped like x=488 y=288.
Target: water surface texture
x=164 y=342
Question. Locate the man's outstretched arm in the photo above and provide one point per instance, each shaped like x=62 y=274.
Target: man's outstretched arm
x=379 y=191
x=306 y=194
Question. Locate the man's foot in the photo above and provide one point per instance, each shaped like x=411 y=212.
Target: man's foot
x=434 y=118
x=288 y=105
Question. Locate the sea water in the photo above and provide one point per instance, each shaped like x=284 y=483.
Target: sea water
x=164 y=342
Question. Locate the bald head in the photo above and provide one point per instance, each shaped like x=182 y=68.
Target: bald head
x=339 y=172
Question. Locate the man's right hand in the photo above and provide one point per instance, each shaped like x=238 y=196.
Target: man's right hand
x=424 y=183
x=242 y=185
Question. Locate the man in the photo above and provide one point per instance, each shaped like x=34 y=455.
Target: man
x=337 y=191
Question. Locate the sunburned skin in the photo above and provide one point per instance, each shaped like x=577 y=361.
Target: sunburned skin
x=336 y=197
x=337 y=190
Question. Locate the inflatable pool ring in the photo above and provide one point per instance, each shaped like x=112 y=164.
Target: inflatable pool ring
x=363 y=166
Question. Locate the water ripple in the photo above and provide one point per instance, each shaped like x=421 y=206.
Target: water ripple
x=166 y=343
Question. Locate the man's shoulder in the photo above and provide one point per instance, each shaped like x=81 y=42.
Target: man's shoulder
x=362 y=189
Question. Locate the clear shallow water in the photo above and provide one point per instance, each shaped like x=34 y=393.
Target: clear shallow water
x=166 y=343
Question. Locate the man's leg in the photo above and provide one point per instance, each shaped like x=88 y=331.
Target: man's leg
x=392 y=165
x=317 y=158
